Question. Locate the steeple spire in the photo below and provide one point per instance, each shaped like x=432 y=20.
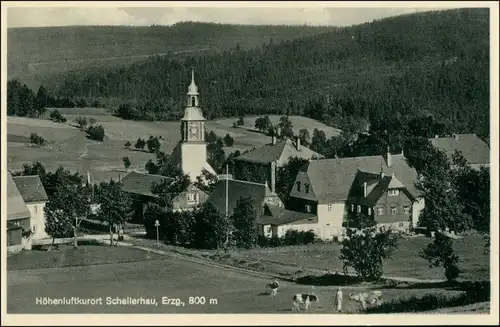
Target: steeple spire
x=193 y=89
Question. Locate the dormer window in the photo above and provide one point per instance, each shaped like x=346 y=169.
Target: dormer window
x=393 y=192
x=307 y=188
x=359 y=208
x=298 y=186
x=352 y=207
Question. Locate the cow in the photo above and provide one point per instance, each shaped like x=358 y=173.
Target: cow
x=273 y=286
x=305 y=299
x=371 y=298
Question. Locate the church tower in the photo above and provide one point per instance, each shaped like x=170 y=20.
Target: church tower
x=193 y=146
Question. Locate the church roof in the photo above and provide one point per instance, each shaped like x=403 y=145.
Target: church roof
x=193 y=113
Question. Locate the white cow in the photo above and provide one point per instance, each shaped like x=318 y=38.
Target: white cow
x=371 y=298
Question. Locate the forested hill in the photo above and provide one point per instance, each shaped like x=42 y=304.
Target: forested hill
x=35 y=52
x=434 y=62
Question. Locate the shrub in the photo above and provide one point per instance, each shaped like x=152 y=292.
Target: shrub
x=153 y=144
x=36 y=139
x=81 y=122
x=140 y=144
x=95 y=133
x=293 y=237
x=57 y=117
x=240 y=121
x=92 y=121
x=126 y=162
x=440 y=253
x=228 y=140
x=127 y=144
x=365 y=249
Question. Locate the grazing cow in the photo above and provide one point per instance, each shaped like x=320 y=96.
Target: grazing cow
x=372 y=298
x=305 y=299
x=273 y=287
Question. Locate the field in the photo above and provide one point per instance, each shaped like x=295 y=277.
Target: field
x=225 y=291
x=69 y=147
x=304 y=260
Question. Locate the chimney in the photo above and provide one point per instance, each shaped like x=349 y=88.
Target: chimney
x=273 y=176
x=389 y=157
x=455 y=136
x=403 y=152
x=298 y=144
x=273 y=139
x=364 y=189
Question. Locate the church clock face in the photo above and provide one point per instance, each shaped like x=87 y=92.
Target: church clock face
x=194 y=131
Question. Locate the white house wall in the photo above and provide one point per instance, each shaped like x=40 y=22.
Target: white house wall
x=417 y=208
x=330 y=222
x=37 y=220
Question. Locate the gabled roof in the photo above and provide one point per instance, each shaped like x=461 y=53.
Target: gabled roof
x=331 y=179
x=31 y=188
x=280 y=152
x=475 y=150
x=380 y=185
x=139 y=183
x=237 y=189
x=16 y=207
x=280 y=216
x=303 y=179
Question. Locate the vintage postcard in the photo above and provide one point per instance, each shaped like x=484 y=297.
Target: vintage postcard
x=249 y=163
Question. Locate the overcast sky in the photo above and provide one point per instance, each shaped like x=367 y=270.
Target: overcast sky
x=140 y=16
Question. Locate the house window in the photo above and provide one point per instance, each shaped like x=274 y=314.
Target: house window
x=191 y=197
x=406 y=210
x=308 y=208
x=16 y=223
x=269 y=229
x=359 y=208
x=36 y=209
x=401 y=224
x=393 y=192
x=307 y=187
x=298 y=186
x=394 y=210
x=369 y=211
x=329 y=207
x=380 y=211
x=352 y=207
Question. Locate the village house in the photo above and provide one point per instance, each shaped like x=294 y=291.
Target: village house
x=35 y=198
x=140 y=187
x=18 y=219
x=474 y=150
x=233 y=189
x=329 y=188
x=257 y=165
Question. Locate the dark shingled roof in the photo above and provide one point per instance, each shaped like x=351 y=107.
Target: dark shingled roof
x=332 y=179
x=139 y=183
x=237 y=189
x=281 y=150
x=16 y=207
x=475 y=150
x=31 y=188
x=379 y=186
x=280 y=216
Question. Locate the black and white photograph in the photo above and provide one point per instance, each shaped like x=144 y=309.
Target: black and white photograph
x=171 y=159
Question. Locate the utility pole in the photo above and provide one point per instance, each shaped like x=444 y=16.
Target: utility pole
x=227 y=209
x=157 y=224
